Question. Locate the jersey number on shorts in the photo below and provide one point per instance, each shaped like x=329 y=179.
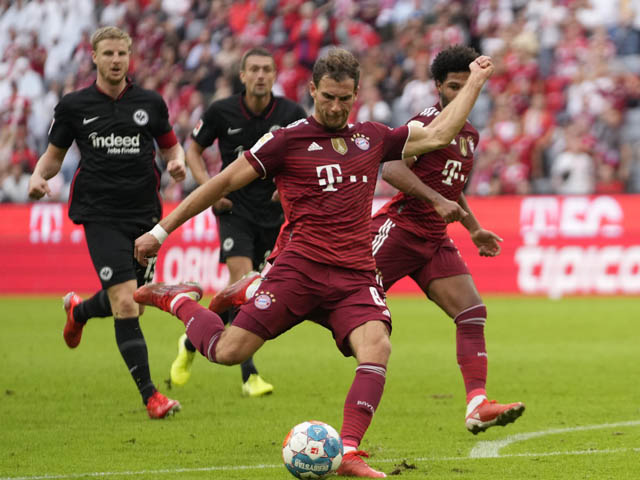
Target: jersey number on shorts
x=376 y=297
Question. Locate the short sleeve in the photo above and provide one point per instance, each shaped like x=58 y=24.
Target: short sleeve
x=162 y=126
x=394 y=141
x=267 y=154
x=61 y=132
x=204 y=133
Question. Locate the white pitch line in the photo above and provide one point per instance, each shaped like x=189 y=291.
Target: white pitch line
x=507 y=441
x=492 y=448
x=144 y=472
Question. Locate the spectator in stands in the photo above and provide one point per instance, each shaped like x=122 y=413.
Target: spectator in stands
x=15 y=187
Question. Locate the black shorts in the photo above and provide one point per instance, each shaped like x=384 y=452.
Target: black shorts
x=241 y=238
x=111 y=250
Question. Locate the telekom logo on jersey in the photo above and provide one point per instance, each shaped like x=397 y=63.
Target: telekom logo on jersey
x=330 y=175
x=580 y=254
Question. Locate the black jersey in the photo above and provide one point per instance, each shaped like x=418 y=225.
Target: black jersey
x=238 y=129
x=117 y=177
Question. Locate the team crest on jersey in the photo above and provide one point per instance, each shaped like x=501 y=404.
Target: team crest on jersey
x=361 y=141
x=141 y=117
x=263 y=299
x=197 y=128
x=339 y=145
x=227 y=244
x=106 y=273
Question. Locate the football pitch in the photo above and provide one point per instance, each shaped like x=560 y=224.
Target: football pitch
x=70 y=414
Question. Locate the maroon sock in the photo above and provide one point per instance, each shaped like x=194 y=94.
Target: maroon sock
x=362 y=401
x=471 y=350
x=203 y=327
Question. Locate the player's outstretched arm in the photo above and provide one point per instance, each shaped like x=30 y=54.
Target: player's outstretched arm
x=398 y=174
x=439 y=133
x=486 y=241
x=47 y=167
x=176 y=166
x=235 y=176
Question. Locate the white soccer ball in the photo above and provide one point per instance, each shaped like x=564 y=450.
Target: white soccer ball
x=312 y=450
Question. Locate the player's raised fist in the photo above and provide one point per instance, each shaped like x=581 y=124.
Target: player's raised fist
x=482 y=67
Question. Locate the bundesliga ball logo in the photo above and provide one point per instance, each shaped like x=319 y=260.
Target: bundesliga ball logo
x=312 y=450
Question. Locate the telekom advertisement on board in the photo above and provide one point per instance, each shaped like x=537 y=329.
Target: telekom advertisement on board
x=553 y=246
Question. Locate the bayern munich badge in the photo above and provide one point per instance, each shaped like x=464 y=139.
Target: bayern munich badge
x=263 y=300
x=362 y=143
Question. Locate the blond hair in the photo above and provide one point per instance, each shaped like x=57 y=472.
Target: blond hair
x=109 y=33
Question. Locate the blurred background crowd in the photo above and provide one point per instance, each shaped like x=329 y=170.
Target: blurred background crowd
x=561 y=113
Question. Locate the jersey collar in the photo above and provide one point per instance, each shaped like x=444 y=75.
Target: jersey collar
x=129 y=84
x=268 y=110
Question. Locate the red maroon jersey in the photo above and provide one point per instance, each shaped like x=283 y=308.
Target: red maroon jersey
x=326 y=181
x=446 y=171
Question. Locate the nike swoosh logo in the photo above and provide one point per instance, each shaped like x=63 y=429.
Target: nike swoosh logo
x=85 y=121
x=233 y=131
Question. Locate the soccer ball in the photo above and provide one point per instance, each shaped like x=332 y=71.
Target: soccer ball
x=312 y=450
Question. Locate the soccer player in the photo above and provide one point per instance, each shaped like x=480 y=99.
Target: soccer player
x=114 y=196
x=325 y=171
x=410 y=239
x=248 y=219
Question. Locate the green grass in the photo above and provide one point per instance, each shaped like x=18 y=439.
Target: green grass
x=574 y=362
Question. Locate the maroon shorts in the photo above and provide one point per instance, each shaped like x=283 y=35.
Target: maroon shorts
x=399 y=253
x=297 y=288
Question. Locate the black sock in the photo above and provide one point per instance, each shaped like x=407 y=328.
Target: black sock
x=248 y=368
x=189 y=346
x=227 y=316
x=133 y=349
x=96 y=306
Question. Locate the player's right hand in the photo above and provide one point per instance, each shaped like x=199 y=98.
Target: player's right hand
x=146 y=246
x=449 y=210
x=222 y=205
x=38 y=187
x=482 y=67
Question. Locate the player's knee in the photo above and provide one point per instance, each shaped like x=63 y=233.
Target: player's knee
x=227 y=354
x=377 y=349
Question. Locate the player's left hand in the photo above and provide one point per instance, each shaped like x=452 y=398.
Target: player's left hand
x=146 y=246
x=177 y=170
x=487 y=242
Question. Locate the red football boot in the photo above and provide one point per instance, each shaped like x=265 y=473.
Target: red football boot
x=235 y=294
x=72 y=332
x=490 y=413
x=354 y=466
x=164 y=296
x=160 y=406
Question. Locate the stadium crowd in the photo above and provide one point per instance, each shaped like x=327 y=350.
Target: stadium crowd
x=561 y=113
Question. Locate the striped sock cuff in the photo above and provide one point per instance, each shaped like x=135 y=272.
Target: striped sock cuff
x=476 y=315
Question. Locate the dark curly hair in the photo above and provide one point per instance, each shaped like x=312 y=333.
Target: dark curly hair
x=452 y=59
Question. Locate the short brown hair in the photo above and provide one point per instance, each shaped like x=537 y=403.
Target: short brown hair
x=337 y=64
x=109 y=33
x=256 y=51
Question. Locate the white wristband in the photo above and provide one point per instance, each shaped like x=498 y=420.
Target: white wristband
x=159 y=233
